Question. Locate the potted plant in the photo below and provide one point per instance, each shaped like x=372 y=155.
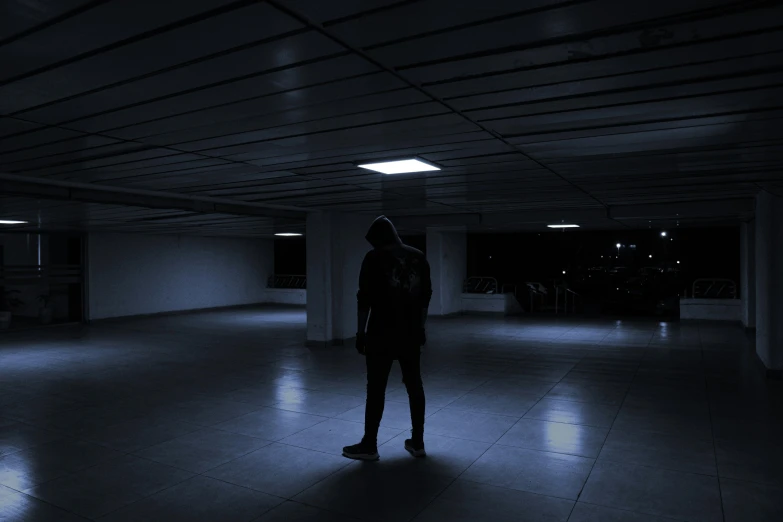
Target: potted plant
x=9 y=303
x=45 y=312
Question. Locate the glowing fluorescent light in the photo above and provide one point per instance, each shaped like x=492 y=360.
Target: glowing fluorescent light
x=12 y=222
x=399 y=167
x=288 y=234
x=563 y=226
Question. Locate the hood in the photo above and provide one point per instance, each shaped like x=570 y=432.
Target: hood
x=382 y=233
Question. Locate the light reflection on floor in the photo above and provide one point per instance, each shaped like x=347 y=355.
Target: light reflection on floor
x=171 y=417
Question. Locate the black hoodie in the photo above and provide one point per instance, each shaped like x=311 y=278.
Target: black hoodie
x=394 y=283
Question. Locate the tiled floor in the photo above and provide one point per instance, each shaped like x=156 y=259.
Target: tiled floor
x=227 y=417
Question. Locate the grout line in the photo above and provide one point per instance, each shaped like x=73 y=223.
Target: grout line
x=627 y=391
x=712 y=428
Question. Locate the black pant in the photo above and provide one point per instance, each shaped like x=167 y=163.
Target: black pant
x=378 y=368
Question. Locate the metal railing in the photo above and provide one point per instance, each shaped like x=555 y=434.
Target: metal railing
x=14 y=275
x=537 y=292
x=480 y=285
x=565 y=292
x=287 y=281
x=714 y=288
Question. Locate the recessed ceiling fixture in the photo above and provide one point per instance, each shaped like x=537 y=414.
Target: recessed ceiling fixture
x=288 y=234
x=399 y=167
x=12 y=222
x=563 y=226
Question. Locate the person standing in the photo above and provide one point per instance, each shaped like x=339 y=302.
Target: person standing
x=394 y=293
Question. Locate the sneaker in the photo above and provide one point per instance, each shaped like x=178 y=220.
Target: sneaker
x=415 y=448
x=361 y=451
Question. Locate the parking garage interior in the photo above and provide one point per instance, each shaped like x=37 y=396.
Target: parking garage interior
x=185 y=189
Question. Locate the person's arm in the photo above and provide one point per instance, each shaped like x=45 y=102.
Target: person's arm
x=426 y=293
x=363 y=296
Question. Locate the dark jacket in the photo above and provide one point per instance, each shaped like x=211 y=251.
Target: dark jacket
x=394 y=283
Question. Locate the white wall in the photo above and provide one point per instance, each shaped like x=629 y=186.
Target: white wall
x=748 y=273
x=502 y=304
x=133 y=274
x=447 y=254
x=711 y=309
x=769 y=280
x=288 y=296
x=335 y=249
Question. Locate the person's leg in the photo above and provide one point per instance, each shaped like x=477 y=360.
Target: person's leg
x=410 y=364
x=378 y=367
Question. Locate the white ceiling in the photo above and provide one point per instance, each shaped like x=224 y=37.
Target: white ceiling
x=144 y=115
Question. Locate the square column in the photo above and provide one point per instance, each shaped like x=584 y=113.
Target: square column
x=748 y=273
x=335 y=250
x=769 y=282
x=447 y=253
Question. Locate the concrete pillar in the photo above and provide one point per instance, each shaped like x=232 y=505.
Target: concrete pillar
x=748 y=273
x=447 y=254
x=335 y=250
x=769 y=281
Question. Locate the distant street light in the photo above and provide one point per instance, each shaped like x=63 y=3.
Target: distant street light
x=650 y=256
x=663 y=233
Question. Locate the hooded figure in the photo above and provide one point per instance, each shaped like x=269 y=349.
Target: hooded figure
x=394 y=293
x=394 y=283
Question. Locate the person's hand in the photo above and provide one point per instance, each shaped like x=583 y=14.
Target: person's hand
x=361 y=343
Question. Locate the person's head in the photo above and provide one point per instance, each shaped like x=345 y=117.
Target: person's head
x=382 y=233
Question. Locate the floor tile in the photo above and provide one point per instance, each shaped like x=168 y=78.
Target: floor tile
x=465 y=501
x=152 y=384
x=25 y=469
x=270 y=423
x=757 y=461
x=553 y=474
x=318 y=403
x=470 y=425
x=570 y=412
x=511 y=405
x=745 y=501
x=332 y=435
x=202 y=450
x=16 y=506
x=435 y=397
x=579 y=391
x=137 y=434
x=108 y=486
x=199 y=498
x=260 y=394
x=515 y=386
x=653 y=491
x=379 y=491
x=290 y=511
x=396 y=415
x=556 y=437
x=279 y=469
x=208 y=412
x=445 y=455
x=591 y=513
x=642 y=419
x=16 y=436
x=660 y=450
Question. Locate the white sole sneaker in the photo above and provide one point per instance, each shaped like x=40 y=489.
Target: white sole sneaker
x=361 y=456
x=416 y=453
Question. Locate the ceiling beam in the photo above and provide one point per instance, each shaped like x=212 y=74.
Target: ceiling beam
x=15 y=185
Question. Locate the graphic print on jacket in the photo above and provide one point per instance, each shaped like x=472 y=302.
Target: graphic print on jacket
x=395 y=284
